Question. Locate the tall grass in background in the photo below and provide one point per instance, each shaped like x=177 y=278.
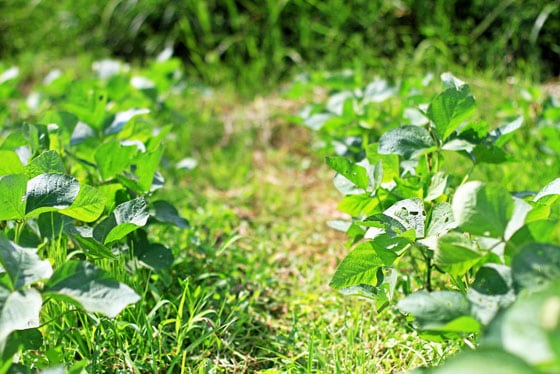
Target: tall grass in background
x=258 y=41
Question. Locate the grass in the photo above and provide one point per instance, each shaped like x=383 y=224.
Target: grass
x=248 y=291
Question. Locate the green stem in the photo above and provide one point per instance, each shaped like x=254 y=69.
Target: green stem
x=18 y=231
x=429 y=274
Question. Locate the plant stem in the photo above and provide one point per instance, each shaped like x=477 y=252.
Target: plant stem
x=429 y=274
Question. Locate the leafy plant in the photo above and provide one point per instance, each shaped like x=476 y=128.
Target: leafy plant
x=78 y=190
x=410 y=199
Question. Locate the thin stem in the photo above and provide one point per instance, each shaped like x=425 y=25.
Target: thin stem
x=429 y=274
x=18 y=231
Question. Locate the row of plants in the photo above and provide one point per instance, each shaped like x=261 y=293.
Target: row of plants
x=79 y=199
x=466 y=259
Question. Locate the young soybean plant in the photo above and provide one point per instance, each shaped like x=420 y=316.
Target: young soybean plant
x=492 y=245
x=72 y=194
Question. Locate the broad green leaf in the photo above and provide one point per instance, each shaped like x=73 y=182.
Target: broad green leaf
x=163 y=211
x=155 y=256
x=90 y=287
x=12 y=192
x=19 y=310
x=48 y=162
x=410 y=213
x=441 y=219
x=524 y=329
x=491 y=291
x=22 y=339
x=50 y=192
x=450 y=108
x=23 y=265
x=536 y=265
x=88 y=206
x=112 y=158
x=484 y=360
x=435 y=309
x=456 y=253
x=87 y=102
x=354 y=173
x=407 y=141
x=11 y=164
x=362 y=265
x=126 y=218
x=489 y=153
x=482 y=209
x=356 y=205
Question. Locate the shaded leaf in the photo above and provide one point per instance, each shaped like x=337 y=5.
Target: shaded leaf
x=435 y=309
x=90 y=287
x=48 y=162
x=19 y=310
x=23 y=265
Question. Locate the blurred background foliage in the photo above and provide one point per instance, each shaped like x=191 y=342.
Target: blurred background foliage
x=258 y=42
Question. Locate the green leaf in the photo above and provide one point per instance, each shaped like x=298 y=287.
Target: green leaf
x=126 y=218
x=12 y=191
x=88 y=206
x=553 y=188
x=407 y=141
x=482 y=209
x=146 y=167
x=434 y=310
x=438 y=183
x=491 y=291
x=354 y=173
x=23 y=265
x=50 y=192
x=11 y=164
x=155 y=256
x=362 y=265
x=441 y=219
x=83 y=236
x=356 y=205
x=410 y=213
x=48 y=162
x=489 y=153
x=22 y=339
x=113 y=158
x=485 y=360
x=19 y=310
x=450 y=108
x=87 y=103
x=90 y=287
x=524 y=329
x=163 y=211
x=536 y=266
x=389 y=163
x=456 y=253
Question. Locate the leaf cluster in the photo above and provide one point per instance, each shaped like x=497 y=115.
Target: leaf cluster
x=78 y=188
x=412 y=205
